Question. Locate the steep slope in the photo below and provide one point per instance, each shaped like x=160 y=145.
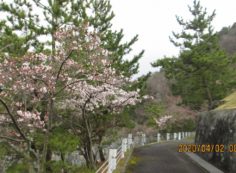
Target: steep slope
x=159 y=87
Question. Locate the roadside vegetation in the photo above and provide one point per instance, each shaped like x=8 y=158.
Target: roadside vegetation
x=66 y=84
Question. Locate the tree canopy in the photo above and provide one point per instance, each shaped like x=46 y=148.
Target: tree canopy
x=63 y=72
x=201 y=73
x=31 y=24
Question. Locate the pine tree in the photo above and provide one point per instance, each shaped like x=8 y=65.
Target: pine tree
x=201 y=73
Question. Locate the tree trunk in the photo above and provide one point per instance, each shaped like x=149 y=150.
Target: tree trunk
x=44 y=155
x=48 y=158
x=88 y=142
x=62 y=157
x=86 y=159
x=100 y=149
x=101 y=154
x=91 y=155
x=209 y=95
x=63 y=160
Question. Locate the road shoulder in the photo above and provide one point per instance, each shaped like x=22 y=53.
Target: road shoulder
x=202 y=163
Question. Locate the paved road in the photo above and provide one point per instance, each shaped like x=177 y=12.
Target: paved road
x=161 y=158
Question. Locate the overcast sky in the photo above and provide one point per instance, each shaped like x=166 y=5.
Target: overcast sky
x=154 y=20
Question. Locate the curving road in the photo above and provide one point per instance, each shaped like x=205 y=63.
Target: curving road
x=161 y=158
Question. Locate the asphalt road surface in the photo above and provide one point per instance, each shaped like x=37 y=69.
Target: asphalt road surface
x=161 y=158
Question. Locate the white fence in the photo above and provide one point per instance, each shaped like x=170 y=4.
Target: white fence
x=115 y=155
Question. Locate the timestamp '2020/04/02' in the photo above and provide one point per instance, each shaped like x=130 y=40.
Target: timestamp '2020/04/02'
x=206 y=148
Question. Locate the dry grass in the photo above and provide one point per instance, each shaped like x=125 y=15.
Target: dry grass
x=229 y=102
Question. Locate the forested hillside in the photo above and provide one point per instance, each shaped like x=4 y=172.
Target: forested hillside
x=164 y=103
x=228 y=39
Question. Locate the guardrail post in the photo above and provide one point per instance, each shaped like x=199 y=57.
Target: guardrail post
x=186 y=134
x=143 y=139
x=175 y=136
x=182 y=134
x=158 y=137
x=167 y=136
x=179 y=136
x=124 y=147
x=129 y=141
x=112 y=160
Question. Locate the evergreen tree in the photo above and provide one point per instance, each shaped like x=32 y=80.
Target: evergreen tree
x=201 y=73
x=33 y=23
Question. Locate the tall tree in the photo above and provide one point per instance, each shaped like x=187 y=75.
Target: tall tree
x=28 y=23
x=201 y=73
x=39 y=93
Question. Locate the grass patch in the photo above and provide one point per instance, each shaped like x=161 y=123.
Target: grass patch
x=190 y=138
x=84 y=169
x=122 y=164
x=134 y=160
x=229 y=102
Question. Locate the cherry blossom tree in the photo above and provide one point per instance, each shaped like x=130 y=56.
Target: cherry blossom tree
x=94 y=99
x=36 y=87
x=30 y=84
x=92 y=102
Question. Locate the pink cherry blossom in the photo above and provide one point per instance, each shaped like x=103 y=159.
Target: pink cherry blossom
x=161 y=122
x=62 y=82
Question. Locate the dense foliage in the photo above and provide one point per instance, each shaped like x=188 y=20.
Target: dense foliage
x=62 y=75
x=75 y=92
x=31 y=24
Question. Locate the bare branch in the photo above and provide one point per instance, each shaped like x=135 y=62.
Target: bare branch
x=13 y=120
x=9 y=45
x=11 y=139
x=62 y=64
x=39 y=4
x=69 y=85
x=123 y=102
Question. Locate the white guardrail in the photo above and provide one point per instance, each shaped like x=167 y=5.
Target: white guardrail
x=115 y=155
